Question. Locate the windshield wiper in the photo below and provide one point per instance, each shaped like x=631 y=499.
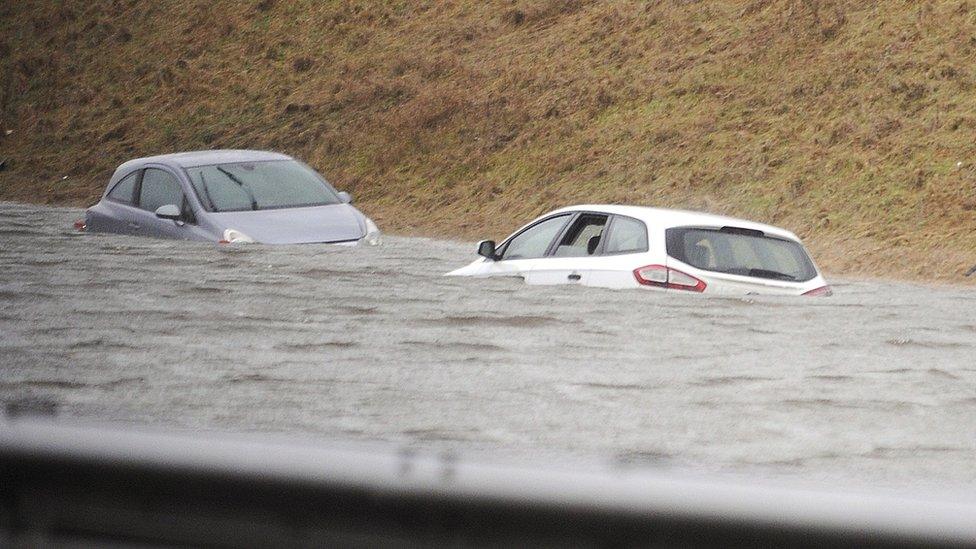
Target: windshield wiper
x=206 y=191
x=242 y=185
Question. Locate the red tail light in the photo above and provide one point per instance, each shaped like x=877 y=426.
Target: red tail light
x=666 y=277
x=823 y=291
x=79 y=224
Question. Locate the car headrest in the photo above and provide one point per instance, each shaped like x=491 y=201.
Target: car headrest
x=698 y=256
x=592 y=244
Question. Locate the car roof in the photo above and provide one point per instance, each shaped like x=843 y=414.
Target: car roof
x=665 y=217
x=191 y=159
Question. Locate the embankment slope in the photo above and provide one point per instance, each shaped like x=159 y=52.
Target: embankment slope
x=854 y=124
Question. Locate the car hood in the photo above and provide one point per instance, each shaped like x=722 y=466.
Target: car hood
x=332 y=223
x=475 y=268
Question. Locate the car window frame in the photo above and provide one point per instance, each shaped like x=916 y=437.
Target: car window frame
x=503 y=247
x=187 y=215
x=167 y=172
x=187 y=207
x=136 y=188
x=601 y=249
x=553 y=246
x=573 y=216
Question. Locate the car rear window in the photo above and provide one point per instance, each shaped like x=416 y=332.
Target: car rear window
x=740 y=251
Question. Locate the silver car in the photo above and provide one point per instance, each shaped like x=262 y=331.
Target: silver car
x=228 y=196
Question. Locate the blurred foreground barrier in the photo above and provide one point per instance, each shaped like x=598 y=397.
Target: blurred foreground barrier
x=83 y=486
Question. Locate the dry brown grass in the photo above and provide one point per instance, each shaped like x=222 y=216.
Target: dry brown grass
x=852 y=124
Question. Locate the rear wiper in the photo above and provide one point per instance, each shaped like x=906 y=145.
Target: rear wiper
x=766 y=273
x=242 y=185
x=759 y=273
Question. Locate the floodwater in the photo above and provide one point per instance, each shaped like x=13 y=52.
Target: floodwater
x=876 y=385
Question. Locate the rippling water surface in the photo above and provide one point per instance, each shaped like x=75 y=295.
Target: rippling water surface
x=876 y=385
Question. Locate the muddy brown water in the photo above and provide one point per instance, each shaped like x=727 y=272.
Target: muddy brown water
x=876 y=385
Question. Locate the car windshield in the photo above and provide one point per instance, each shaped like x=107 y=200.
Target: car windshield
x=742 y=252
x=260 y=186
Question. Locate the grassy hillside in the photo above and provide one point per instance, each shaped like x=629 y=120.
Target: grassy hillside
x=852 y=123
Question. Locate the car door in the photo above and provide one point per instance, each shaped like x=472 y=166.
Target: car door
x=575 y=254
x=159 y=187
x=624 y=249
x=117 y=211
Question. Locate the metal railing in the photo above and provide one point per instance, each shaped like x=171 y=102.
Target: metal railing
x=63 y=484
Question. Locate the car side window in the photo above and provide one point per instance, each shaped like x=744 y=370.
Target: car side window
x=627 y=235
x=583 y=237
x=534 y=241
x=159 y=188
x=125 y=190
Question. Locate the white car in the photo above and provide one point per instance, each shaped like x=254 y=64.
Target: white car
x=637 y=247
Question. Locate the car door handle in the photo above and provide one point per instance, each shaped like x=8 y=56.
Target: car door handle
x=574 y=277
x=133 y=225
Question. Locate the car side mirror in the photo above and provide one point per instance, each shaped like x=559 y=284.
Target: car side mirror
x=486 y=248
x=345 y=197
x=169 y=211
